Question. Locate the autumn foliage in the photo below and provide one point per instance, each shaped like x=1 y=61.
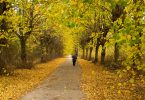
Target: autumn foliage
x=108 y=32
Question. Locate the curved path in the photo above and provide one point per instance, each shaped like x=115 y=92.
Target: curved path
x=63 y=84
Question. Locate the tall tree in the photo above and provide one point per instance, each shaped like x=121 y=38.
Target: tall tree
x=116 y=13
x=29 y=15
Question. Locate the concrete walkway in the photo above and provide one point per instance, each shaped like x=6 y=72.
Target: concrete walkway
x=63 y=84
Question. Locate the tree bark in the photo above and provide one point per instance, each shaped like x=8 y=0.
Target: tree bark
x=116 y=52
x=83 y=52
x=87 y=53
x=90 y=53
x=103 y=53
x=23 y=50
x=96 y=53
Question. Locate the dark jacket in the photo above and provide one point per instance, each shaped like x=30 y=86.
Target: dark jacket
x=74 y=57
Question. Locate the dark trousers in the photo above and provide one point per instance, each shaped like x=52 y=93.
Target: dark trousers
x=74 y=62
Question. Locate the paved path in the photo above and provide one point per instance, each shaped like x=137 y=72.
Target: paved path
x=63 y=84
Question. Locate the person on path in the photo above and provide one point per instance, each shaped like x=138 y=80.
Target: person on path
x=74 y=59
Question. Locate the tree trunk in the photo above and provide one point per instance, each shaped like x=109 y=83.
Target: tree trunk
x=87 y=53
x=83 y=52
x=116 y=52
x=90 y=55
x=96 y=53
x=103 y=53
x=116 y=13
x=23 y=50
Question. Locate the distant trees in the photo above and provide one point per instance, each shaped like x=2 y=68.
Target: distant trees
x=98 y=24
x=51 y=45
x=83 y=42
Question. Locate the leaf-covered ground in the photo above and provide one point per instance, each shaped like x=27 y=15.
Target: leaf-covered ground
x=23 y=80
x=62 y=84
x=98 y=83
